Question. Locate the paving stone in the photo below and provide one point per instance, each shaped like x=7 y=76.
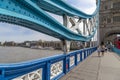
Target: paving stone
x=106 y=67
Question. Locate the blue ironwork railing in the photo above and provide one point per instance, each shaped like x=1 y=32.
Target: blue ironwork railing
x=51 y=68
x=116 y=50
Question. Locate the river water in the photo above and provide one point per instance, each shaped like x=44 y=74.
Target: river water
x=20 y=54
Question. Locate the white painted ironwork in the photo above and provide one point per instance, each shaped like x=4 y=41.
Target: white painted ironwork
x=35 y=75
x=66 y=44
x=78 y=57
x=82 y=26
x=72 y=60
x=56 y=69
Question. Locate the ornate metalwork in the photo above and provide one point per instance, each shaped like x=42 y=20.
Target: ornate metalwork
x=81 y=26
x=72 y=60
x=56 y=69
x=35 y=75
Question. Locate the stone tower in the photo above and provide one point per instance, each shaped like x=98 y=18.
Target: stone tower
x=109 y=20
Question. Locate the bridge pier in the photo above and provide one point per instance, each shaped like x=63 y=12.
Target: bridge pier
x=65 y=46
x=65 y=43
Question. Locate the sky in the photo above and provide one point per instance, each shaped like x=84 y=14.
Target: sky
x=11 y=32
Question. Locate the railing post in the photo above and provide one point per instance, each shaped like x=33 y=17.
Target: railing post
x=47 y=70
x=66 y=65
x=88 y=52
x=84 y=54
x=80 y=55
x=2 y=75
x=65 y=43
x=76 y=59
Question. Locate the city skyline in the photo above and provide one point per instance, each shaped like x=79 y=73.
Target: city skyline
x=11 y=32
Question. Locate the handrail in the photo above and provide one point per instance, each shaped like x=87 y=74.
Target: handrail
x=116 y=50
x=49 y=68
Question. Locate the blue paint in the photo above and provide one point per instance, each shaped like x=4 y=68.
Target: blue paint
x=60 y=7
x=116 y=50
x=27 y=13
x=10 y=71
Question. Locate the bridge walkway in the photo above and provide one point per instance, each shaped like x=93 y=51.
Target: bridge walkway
x=106 y=67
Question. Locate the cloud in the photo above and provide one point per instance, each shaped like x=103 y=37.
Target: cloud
x=87 y=6
x=9 y=29
x=10 y=32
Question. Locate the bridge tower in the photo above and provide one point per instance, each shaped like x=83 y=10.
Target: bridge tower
x=109 y=20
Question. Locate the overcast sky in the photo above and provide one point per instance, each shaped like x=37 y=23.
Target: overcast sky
x=10 y=32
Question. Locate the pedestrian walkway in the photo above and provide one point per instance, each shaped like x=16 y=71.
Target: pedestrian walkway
x=106 y=67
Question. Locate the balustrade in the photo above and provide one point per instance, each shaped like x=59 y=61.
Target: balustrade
x=51 y=68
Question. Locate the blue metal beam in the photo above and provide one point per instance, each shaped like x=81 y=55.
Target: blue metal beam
x=28 y=14
x=60 y=7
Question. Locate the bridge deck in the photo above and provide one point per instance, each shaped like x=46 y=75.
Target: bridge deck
x=96 y=68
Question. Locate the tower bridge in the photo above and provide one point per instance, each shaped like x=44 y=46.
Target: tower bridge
x=83 y=64
x=109 y=20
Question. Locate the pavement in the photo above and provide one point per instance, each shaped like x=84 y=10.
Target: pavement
x=106 y=67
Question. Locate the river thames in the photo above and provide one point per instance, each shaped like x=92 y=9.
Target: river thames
x=20 y=54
